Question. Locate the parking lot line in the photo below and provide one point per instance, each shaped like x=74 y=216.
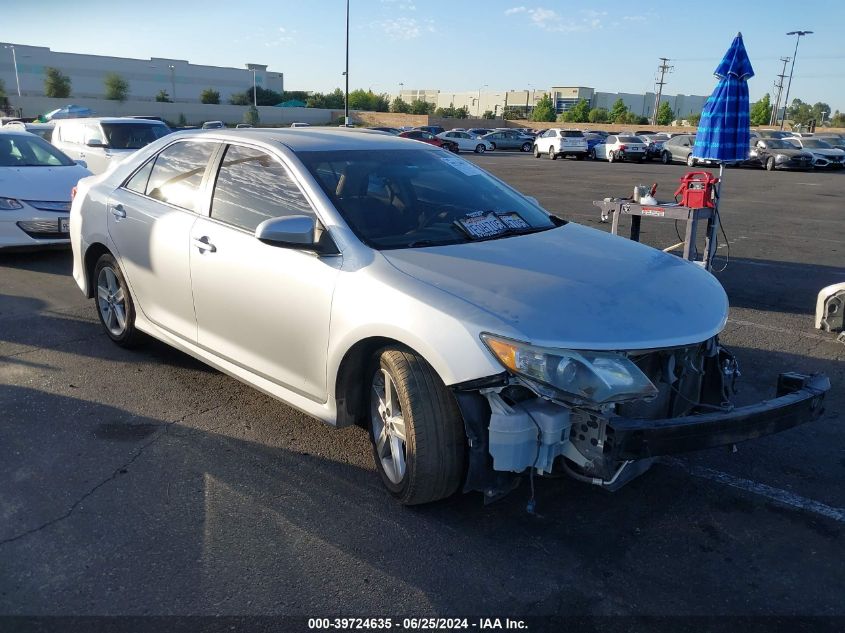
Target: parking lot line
x=775 y=494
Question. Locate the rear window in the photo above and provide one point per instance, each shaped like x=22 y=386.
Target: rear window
x=630 y=139
x=571 y=134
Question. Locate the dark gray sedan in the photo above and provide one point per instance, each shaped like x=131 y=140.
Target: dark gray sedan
x=773 y=153
x=508 y=139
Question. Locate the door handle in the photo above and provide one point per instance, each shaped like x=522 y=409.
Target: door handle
x=203 y=244
x=118 y=211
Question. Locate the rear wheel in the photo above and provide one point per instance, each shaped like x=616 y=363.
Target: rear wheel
x=552 y=153
x=665 y=158
x=592 y=154
x=480 y=149
x=611 y=156
x=415 y=427
x=114 y=303
x=770 y=164
x=526 y=147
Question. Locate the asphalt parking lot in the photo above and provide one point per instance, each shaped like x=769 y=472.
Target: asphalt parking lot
x=142 y=482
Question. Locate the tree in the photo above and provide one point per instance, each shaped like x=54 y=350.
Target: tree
x=163 y=97
x=418 y=106
x=820 y=112
x=332 y=101
x=488 y=114
x=511 y=113
x=838 y=119
x=369 y=101
x=2 y=90
x=694 y=119
x=117 y=88
x=617 y=112
x=566 y=117
x=182 y=120
x=597 y=115
x=240 y=98
x=463 y=113
x=544 y=110
x=56 y=83
x=634 y=119
x=761 y=111
x=799 y=112
x=400 y=106
x=209 y=95
x=251 y=116
x=581 y=111
x=665 y=114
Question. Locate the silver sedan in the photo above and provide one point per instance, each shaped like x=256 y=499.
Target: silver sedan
x=368 y=279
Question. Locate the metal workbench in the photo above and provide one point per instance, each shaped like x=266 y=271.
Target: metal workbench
x=691 y=216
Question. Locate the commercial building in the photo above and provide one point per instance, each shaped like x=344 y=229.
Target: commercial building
x=182 y=80
x=563 y=97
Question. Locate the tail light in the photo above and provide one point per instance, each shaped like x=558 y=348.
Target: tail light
x=622 y=148
x=72 y=194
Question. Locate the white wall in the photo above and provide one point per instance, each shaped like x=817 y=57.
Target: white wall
x=195 y=113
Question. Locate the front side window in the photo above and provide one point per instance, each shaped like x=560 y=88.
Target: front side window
x=71 y=133
x=177 y=173
x=252 y=187
x=415 y=197
x=91 y=132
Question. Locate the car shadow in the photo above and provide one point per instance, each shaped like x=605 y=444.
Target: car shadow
x=57 y=260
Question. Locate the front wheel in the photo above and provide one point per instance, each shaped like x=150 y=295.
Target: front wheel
x=552 y=153
x=480 y=149
x=770 y=164
x=114 y=303
x=665 y=158
x=690 y=161
x=415 y=427
x=526 y=147
x=592 y=154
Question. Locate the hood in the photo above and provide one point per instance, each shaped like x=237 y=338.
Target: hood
x=40 y=183
x=825 y=151
x=577 y=288
x=792 y=152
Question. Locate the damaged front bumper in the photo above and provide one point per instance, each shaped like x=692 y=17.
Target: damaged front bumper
x=506 y=439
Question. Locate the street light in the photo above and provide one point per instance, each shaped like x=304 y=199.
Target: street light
x=15 y=64
x=478 y=108
x=173 y=80
x=346 y=97
x=254 y=91
x=799 y=34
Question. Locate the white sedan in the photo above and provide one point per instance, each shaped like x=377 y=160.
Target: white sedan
x=467 y=142
x=35 y=190
x=620 y=148
x=824 y=154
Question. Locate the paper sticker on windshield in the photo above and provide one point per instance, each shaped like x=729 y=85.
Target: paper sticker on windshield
x=463 y=166
x=480 y=225
x=513 y=220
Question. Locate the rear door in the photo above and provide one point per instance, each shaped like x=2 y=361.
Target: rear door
x=150 y=218
x=263 y=307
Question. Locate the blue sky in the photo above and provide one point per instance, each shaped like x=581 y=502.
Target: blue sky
x=457 y=45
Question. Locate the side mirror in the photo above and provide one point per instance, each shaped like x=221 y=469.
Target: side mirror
x=296 y=231
x=82 y=163
x=95 y=142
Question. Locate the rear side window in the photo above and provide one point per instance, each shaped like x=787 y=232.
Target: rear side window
x=177 y=173
x=252 y=187
x=138 y=182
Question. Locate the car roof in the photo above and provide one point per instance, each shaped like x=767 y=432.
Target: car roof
x=309 y=139
x=110 y=119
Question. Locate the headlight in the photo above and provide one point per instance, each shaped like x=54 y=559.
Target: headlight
x=781 y=158
x=597 y=377
x=9 y=204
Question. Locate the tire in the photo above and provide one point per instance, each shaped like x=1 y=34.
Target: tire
x=592 y=154
x=536 y=152
x=419 y=451
x=611 y=156
x=552 y=154
x=526 y=147
x=690 y=161
x=666 y=158
x=114 y=304
x=493 y=145
x=770 y=164
x=454 y=149
x=480 y=149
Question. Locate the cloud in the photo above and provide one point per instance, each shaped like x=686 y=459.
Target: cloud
x=406 y=28
x=551 y=20
x=280 y=37
x=402 y=5
x=634 y=18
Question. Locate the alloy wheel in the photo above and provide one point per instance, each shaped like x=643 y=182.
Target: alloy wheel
x=388 y=425
x=111 y=300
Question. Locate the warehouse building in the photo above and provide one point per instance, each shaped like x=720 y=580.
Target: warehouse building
x=183 y=81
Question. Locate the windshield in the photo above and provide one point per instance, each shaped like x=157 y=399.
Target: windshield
x=811 y=142
x=414 y=197
x=30 y=151
x=133 y=135
x=778 y=144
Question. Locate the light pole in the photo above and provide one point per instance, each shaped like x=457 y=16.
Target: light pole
x=172 y=80
x=254 y=91
x=15 y=64
x=346 y=97
x=478 y=105
x=792 y=68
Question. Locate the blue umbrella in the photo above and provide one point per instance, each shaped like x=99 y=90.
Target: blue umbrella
x=725 y=128
x=724 y=131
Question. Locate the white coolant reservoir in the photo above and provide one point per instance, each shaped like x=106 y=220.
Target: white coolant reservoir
x=529 y=433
